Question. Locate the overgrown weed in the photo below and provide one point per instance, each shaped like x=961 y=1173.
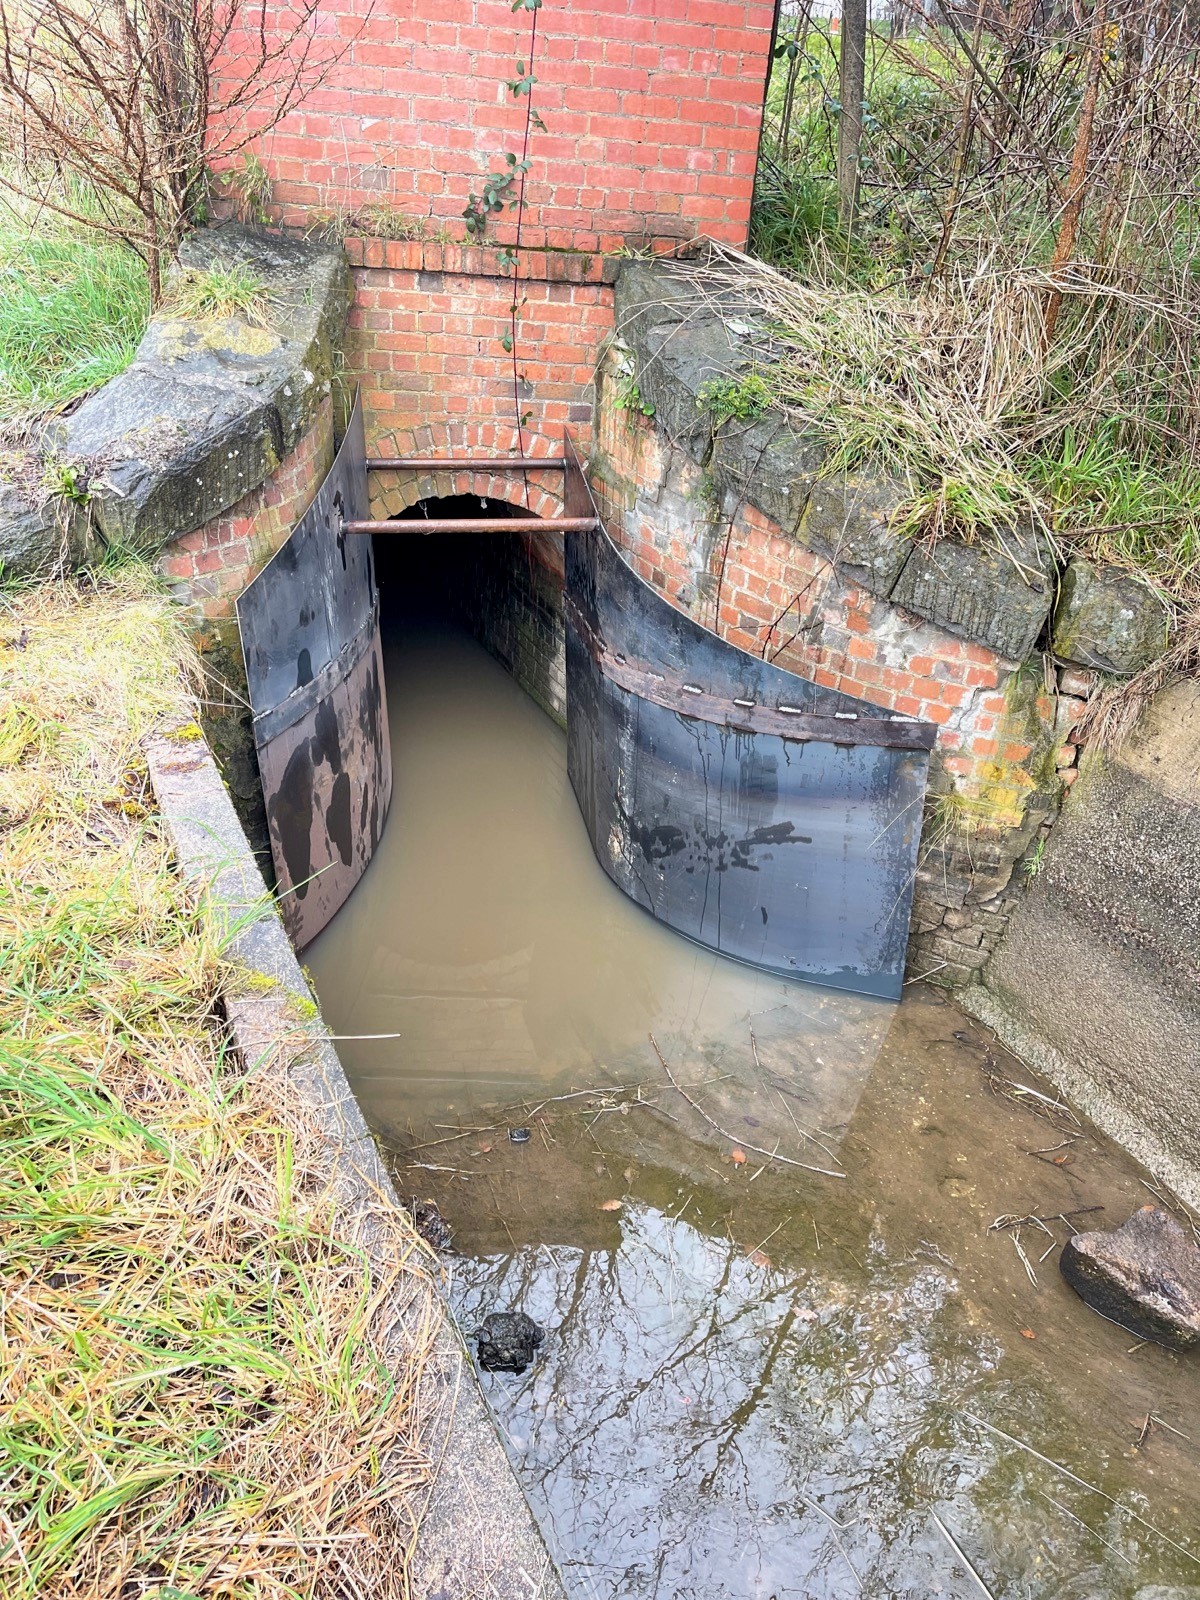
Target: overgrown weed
x=219 y=292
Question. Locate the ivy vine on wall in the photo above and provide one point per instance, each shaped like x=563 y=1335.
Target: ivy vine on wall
x=505 y=190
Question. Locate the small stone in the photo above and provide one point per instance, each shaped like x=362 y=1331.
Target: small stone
x=958 y=919
x=519 y=1135
x=1077 y=682
x=1144 y=1275
x=507 y=1341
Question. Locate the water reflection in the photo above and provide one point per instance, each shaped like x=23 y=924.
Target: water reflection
x=703 y=1425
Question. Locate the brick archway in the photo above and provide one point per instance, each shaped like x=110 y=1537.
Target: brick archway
x=540 y=493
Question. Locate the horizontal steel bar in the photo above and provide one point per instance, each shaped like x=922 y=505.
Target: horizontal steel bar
x=477 y=463
x=474 y=525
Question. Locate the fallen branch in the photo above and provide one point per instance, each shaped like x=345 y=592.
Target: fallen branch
x=770 y=1155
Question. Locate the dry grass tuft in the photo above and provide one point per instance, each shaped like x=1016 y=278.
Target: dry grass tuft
x=955 y=391
x=199 y=1390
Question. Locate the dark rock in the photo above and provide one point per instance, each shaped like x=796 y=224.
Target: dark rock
x=998 y=592
x=38 y=535
x=1107 y=620
x=519 y=1135
x=680 y=344
x=507 y=1341
x=209 y=408
x=768 y=464
x=849 y=520
x=430 y=1224
x=1144 y=1275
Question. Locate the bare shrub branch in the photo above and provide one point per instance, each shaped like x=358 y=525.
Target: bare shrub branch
x=117 y=114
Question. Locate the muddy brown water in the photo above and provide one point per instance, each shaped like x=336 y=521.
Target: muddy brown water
x=757 y=1380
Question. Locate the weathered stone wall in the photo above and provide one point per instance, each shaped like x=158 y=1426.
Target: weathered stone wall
x=1097 y=981
x=202 y=456
x=740 y=524
x=512 y=599
x=507 y=586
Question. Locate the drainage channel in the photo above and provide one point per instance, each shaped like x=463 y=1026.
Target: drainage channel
x=757 y=1378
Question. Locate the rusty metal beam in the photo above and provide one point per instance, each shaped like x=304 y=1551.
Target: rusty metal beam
x=456 y=463
x=473 y=525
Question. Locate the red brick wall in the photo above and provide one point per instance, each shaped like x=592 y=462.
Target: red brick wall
x=651 y=108
x=425 y=340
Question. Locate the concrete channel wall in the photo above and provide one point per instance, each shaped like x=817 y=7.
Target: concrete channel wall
x=477 y=1539
x=1097 y=982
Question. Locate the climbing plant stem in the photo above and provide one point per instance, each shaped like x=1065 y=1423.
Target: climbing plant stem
x=524 y=169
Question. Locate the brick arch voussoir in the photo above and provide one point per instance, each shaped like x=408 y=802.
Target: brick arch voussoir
x=538 y=493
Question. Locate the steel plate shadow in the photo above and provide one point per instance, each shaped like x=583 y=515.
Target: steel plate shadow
x=758 y=813
x=310 y=639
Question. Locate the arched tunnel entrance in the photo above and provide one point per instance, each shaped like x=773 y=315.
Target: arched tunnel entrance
x=484 y=946
x=758 y=813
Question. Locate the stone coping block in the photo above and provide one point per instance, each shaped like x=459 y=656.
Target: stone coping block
x=39 y=534
x=477 y=1535
x=1108 y=620
x=998 y=592
x=210 y=407
x=681 y=343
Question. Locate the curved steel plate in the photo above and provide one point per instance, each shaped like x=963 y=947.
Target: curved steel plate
x=310 y=639
x=753 y=811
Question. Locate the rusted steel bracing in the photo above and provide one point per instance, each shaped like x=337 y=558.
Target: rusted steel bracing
x=750 y=809
x=470 y=525
x=310 y=639
x=475 y=463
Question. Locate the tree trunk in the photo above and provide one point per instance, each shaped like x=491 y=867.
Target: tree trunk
x=1077 y=182
x=852 y=90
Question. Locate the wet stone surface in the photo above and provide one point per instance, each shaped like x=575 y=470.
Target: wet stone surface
x=507 y=1341
x=760 y=1379
x=1144 y=1276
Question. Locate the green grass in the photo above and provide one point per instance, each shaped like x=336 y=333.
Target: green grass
x=1135 y=513
x=217 y=293
x=199 y=1385
x=73 y=306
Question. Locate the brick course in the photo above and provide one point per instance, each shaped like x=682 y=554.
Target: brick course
x=652 y=112
x=425 y=338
